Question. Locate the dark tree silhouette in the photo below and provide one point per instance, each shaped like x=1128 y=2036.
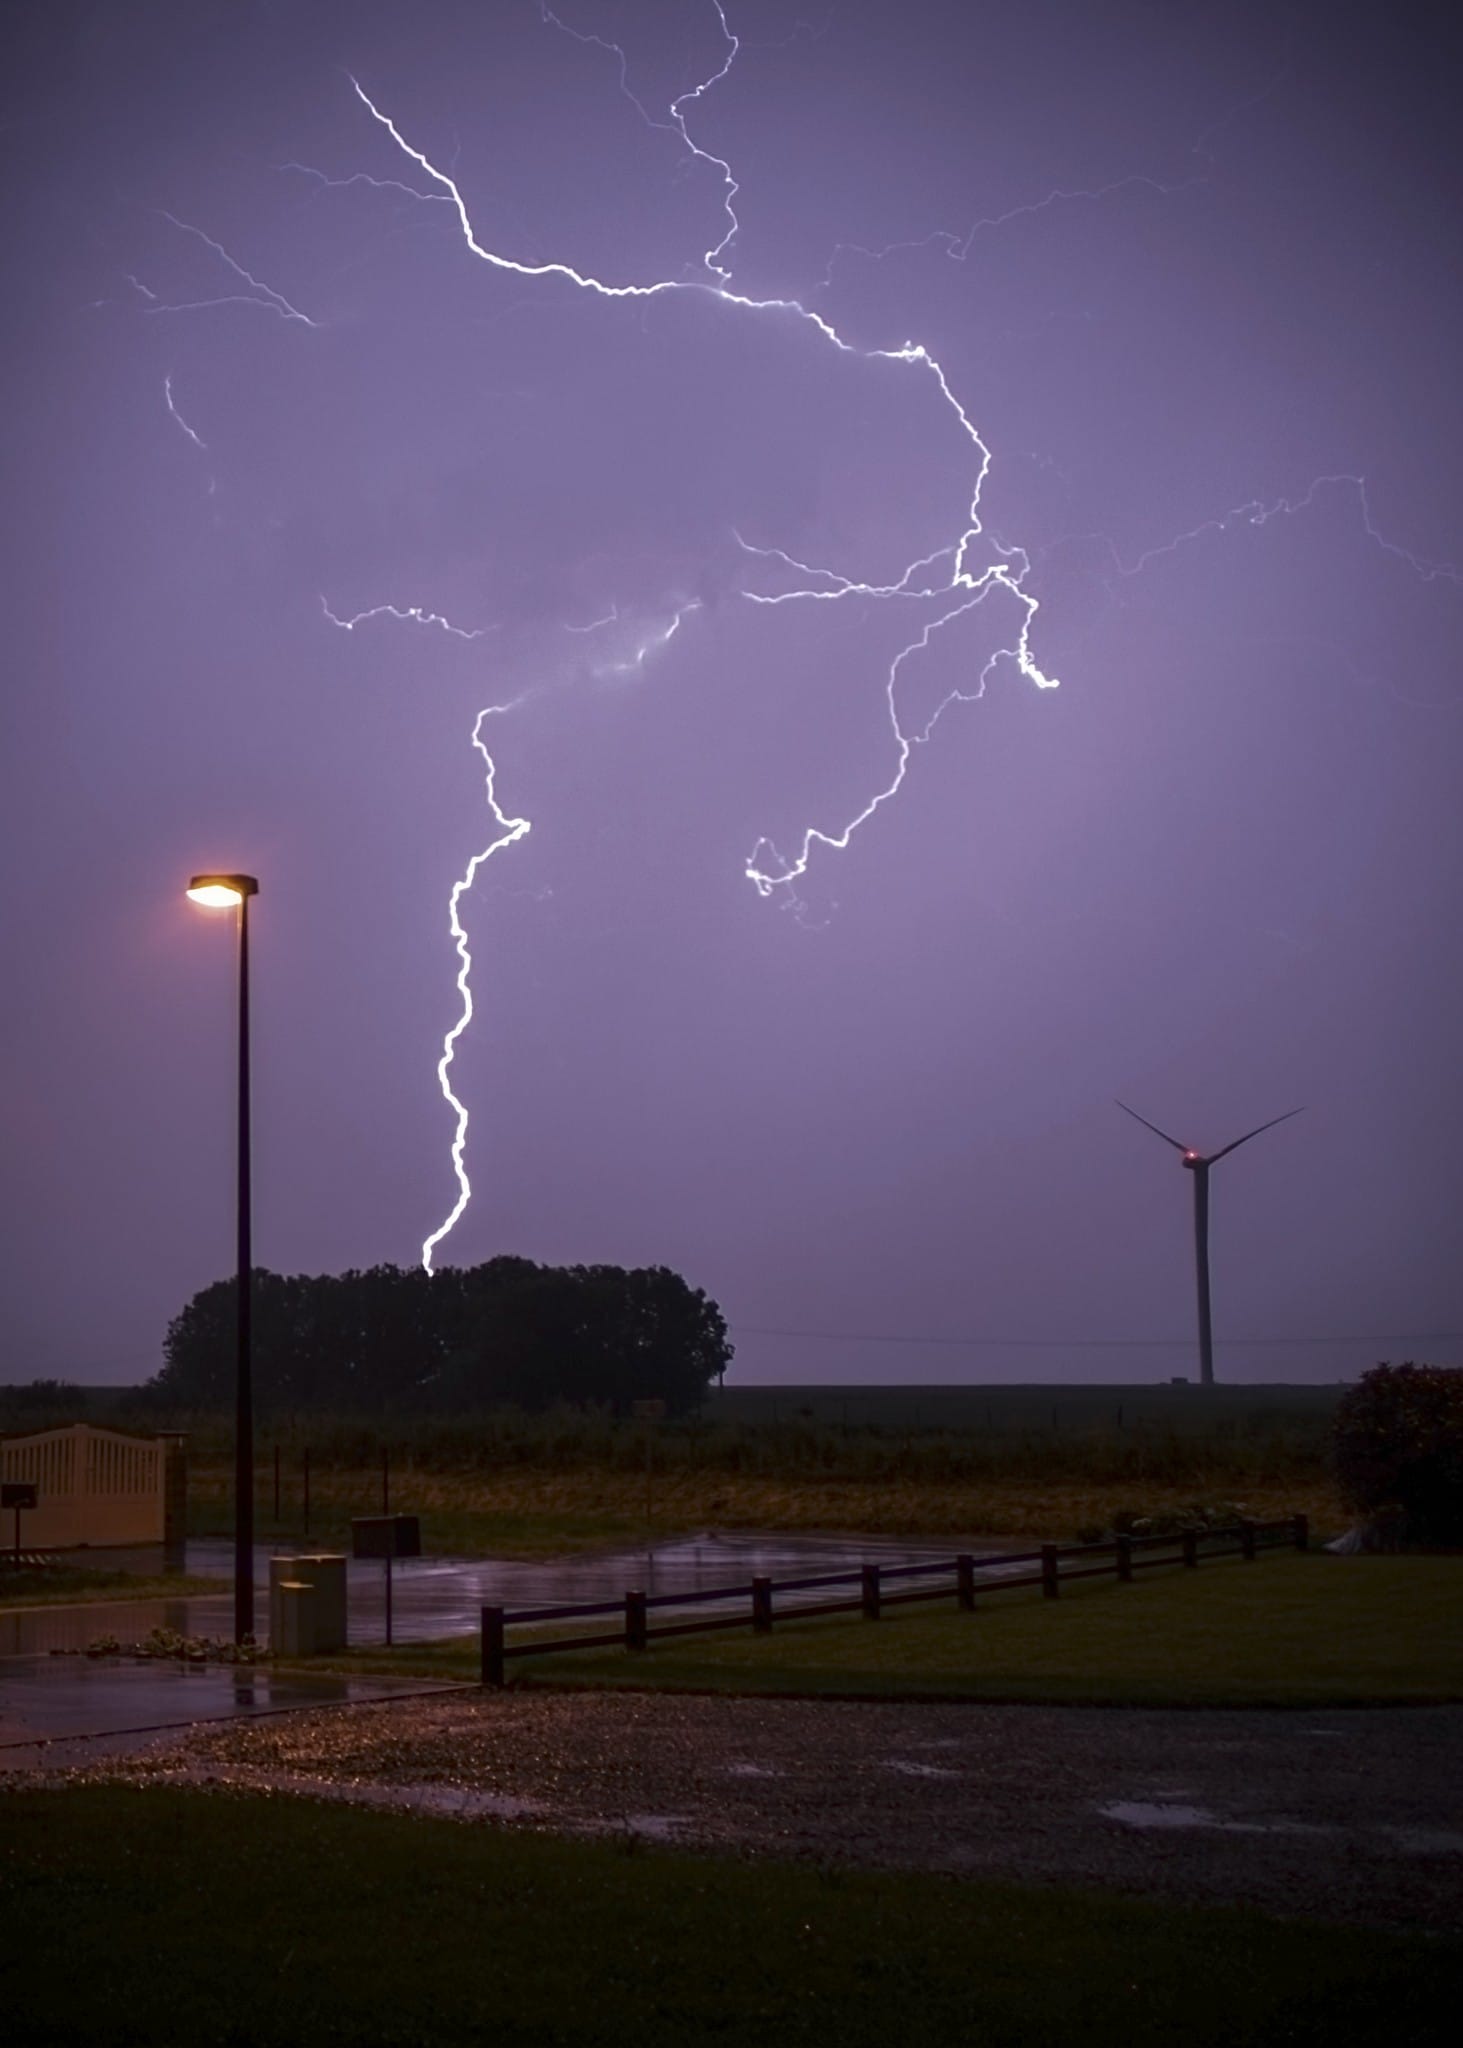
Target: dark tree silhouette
x=508 y=1331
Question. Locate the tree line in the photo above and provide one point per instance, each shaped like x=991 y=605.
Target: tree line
x=464 y=1337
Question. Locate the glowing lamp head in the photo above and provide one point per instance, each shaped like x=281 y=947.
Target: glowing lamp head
x=1192 y=1159
x=221 y=892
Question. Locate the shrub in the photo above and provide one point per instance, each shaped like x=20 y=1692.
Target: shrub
x=1397 y=1443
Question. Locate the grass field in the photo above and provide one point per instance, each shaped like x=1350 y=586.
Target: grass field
x=1289 y=1630
x=141 y=1918
x=60 y=1587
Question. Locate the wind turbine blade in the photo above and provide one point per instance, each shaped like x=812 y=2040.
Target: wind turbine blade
x=1255 y=1133
x=1155 y=1130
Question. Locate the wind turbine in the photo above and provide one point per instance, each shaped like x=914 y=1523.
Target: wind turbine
x=1198 y=1165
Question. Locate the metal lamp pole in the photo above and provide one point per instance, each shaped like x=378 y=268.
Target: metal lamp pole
x=224 y=892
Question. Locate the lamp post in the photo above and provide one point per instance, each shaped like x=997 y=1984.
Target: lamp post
x=224 y=892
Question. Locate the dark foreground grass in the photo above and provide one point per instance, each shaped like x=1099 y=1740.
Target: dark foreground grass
x=159 y=1916
x=1287 y=1630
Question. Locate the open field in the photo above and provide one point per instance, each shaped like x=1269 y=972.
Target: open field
x=525 y=1513
x=564 y=1480
x=1007 y=1409
x=943 y=1461
x=1289 y=1630
x=188 y=1916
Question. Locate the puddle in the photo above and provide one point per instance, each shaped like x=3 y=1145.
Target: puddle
x=750 y=1770
x=1152 y=1813
x=908 y=1768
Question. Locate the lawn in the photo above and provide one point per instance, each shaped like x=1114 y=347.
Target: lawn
x=1290 y=1629
x=65 y=1585
x=143 y=1917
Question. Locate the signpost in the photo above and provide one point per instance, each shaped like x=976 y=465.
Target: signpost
x=649 y=1411
x=387 y=1537
x=17 y=1494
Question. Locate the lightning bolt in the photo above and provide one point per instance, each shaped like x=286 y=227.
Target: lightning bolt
x=951 y=577
x=1259 y=512
x=258 y=294
x=195 y=438
x=947 y=584
x=408 y=614
x=509 y=830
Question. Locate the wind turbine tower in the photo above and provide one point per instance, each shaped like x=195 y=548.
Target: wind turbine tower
x=1198 y=1165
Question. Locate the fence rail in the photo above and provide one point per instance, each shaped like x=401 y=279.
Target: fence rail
x=960 y=1576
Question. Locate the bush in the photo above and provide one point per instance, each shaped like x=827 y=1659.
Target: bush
x=1397 y=1443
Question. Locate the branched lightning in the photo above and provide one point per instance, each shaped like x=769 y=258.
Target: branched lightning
x=958 y=246
x=1259 y=512
x=676 y=125
x=951 y=577
x=258 y=294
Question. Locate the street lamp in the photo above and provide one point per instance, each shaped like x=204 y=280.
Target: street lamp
x=223 y=892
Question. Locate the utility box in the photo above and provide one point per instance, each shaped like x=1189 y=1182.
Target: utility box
x=323 y=1617
x=292 y=1619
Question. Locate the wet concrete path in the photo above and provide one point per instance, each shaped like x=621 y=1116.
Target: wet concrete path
x=435 y=1597
x=76 y=1708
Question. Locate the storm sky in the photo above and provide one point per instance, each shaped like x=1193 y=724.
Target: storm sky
x=1105 y=346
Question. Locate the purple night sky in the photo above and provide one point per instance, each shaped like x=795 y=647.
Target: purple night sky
x=300 y=485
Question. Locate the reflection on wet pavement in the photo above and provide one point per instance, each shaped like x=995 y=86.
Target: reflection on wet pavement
x=443 y=1596
x=111 y=1701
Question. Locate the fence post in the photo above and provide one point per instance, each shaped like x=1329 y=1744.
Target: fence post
x=1049 y=1584
x=762 y=1606
x=965 y=1583
x=1124 y=1547
x=637 y=1636
x=1247 y=1540
x=1302 y=1531
x=1191 y=1549
x=307 y=1489
x=869 y=1591
x=492 y=1651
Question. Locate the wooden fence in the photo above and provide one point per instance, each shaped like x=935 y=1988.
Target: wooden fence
x=938 y=1580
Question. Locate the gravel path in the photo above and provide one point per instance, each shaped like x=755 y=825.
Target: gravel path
x=1353 y=1815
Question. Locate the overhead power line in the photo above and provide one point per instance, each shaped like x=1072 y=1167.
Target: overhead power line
x=1088 y=1343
